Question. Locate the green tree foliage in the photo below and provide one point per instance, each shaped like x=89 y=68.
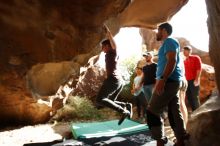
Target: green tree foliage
x=127 y=68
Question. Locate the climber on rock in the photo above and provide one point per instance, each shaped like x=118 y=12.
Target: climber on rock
x=112 y=85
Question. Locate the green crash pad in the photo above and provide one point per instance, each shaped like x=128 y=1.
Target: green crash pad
x=106 y=129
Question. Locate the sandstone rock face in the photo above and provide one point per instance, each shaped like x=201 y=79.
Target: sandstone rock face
x=214 y=35
x=203 y=125
x=207 y=82
x=16 y=105
x=44 y=31
x=148 y=14
x=149 y=39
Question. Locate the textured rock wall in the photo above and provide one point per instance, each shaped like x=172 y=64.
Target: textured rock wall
x=213 y=8
x=203 y=125
x=53 y=30
x=17 y=105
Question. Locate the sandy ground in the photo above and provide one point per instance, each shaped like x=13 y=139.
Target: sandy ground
x=37 y=133
x=43 y=133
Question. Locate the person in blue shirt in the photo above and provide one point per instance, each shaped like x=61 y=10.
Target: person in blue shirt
x=169 y=75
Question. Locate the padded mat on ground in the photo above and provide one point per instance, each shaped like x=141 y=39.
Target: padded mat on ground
x=108 y=133
x=106 y=129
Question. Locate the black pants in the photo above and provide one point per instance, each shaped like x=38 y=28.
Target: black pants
x=141 y=103
x=108 y=94
x=157 y=104
x=192 y=93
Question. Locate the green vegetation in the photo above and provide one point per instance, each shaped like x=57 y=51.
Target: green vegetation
x=127 y=68
x=82 y=109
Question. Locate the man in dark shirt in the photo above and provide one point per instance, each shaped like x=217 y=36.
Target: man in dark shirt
x=149 y=75
x=112 y=85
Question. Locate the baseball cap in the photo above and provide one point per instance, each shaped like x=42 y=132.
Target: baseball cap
x=148 y=54
x=187 y=48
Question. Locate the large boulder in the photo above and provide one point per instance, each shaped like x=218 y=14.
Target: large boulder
x=45 y=79
x=203 y=124
x=208 y=82
x=91 y=78
x=17 y=106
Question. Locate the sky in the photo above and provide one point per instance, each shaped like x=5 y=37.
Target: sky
x=189 y=22
x=128 y=42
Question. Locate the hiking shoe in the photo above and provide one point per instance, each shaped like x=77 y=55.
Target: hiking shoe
x=125 y=114
x=129 y=108
x=182 y=141
x=165 y=140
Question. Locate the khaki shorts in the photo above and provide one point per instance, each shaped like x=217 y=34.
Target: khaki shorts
x=183 y=85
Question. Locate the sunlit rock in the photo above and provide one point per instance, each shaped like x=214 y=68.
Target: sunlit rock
x=207 y=82
x=149 y=13
x=45 y=79
x=91 y=78
x=149 y=39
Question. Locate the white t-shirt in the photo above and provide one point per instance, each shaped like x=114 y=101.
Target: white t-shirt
x=137 y=81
